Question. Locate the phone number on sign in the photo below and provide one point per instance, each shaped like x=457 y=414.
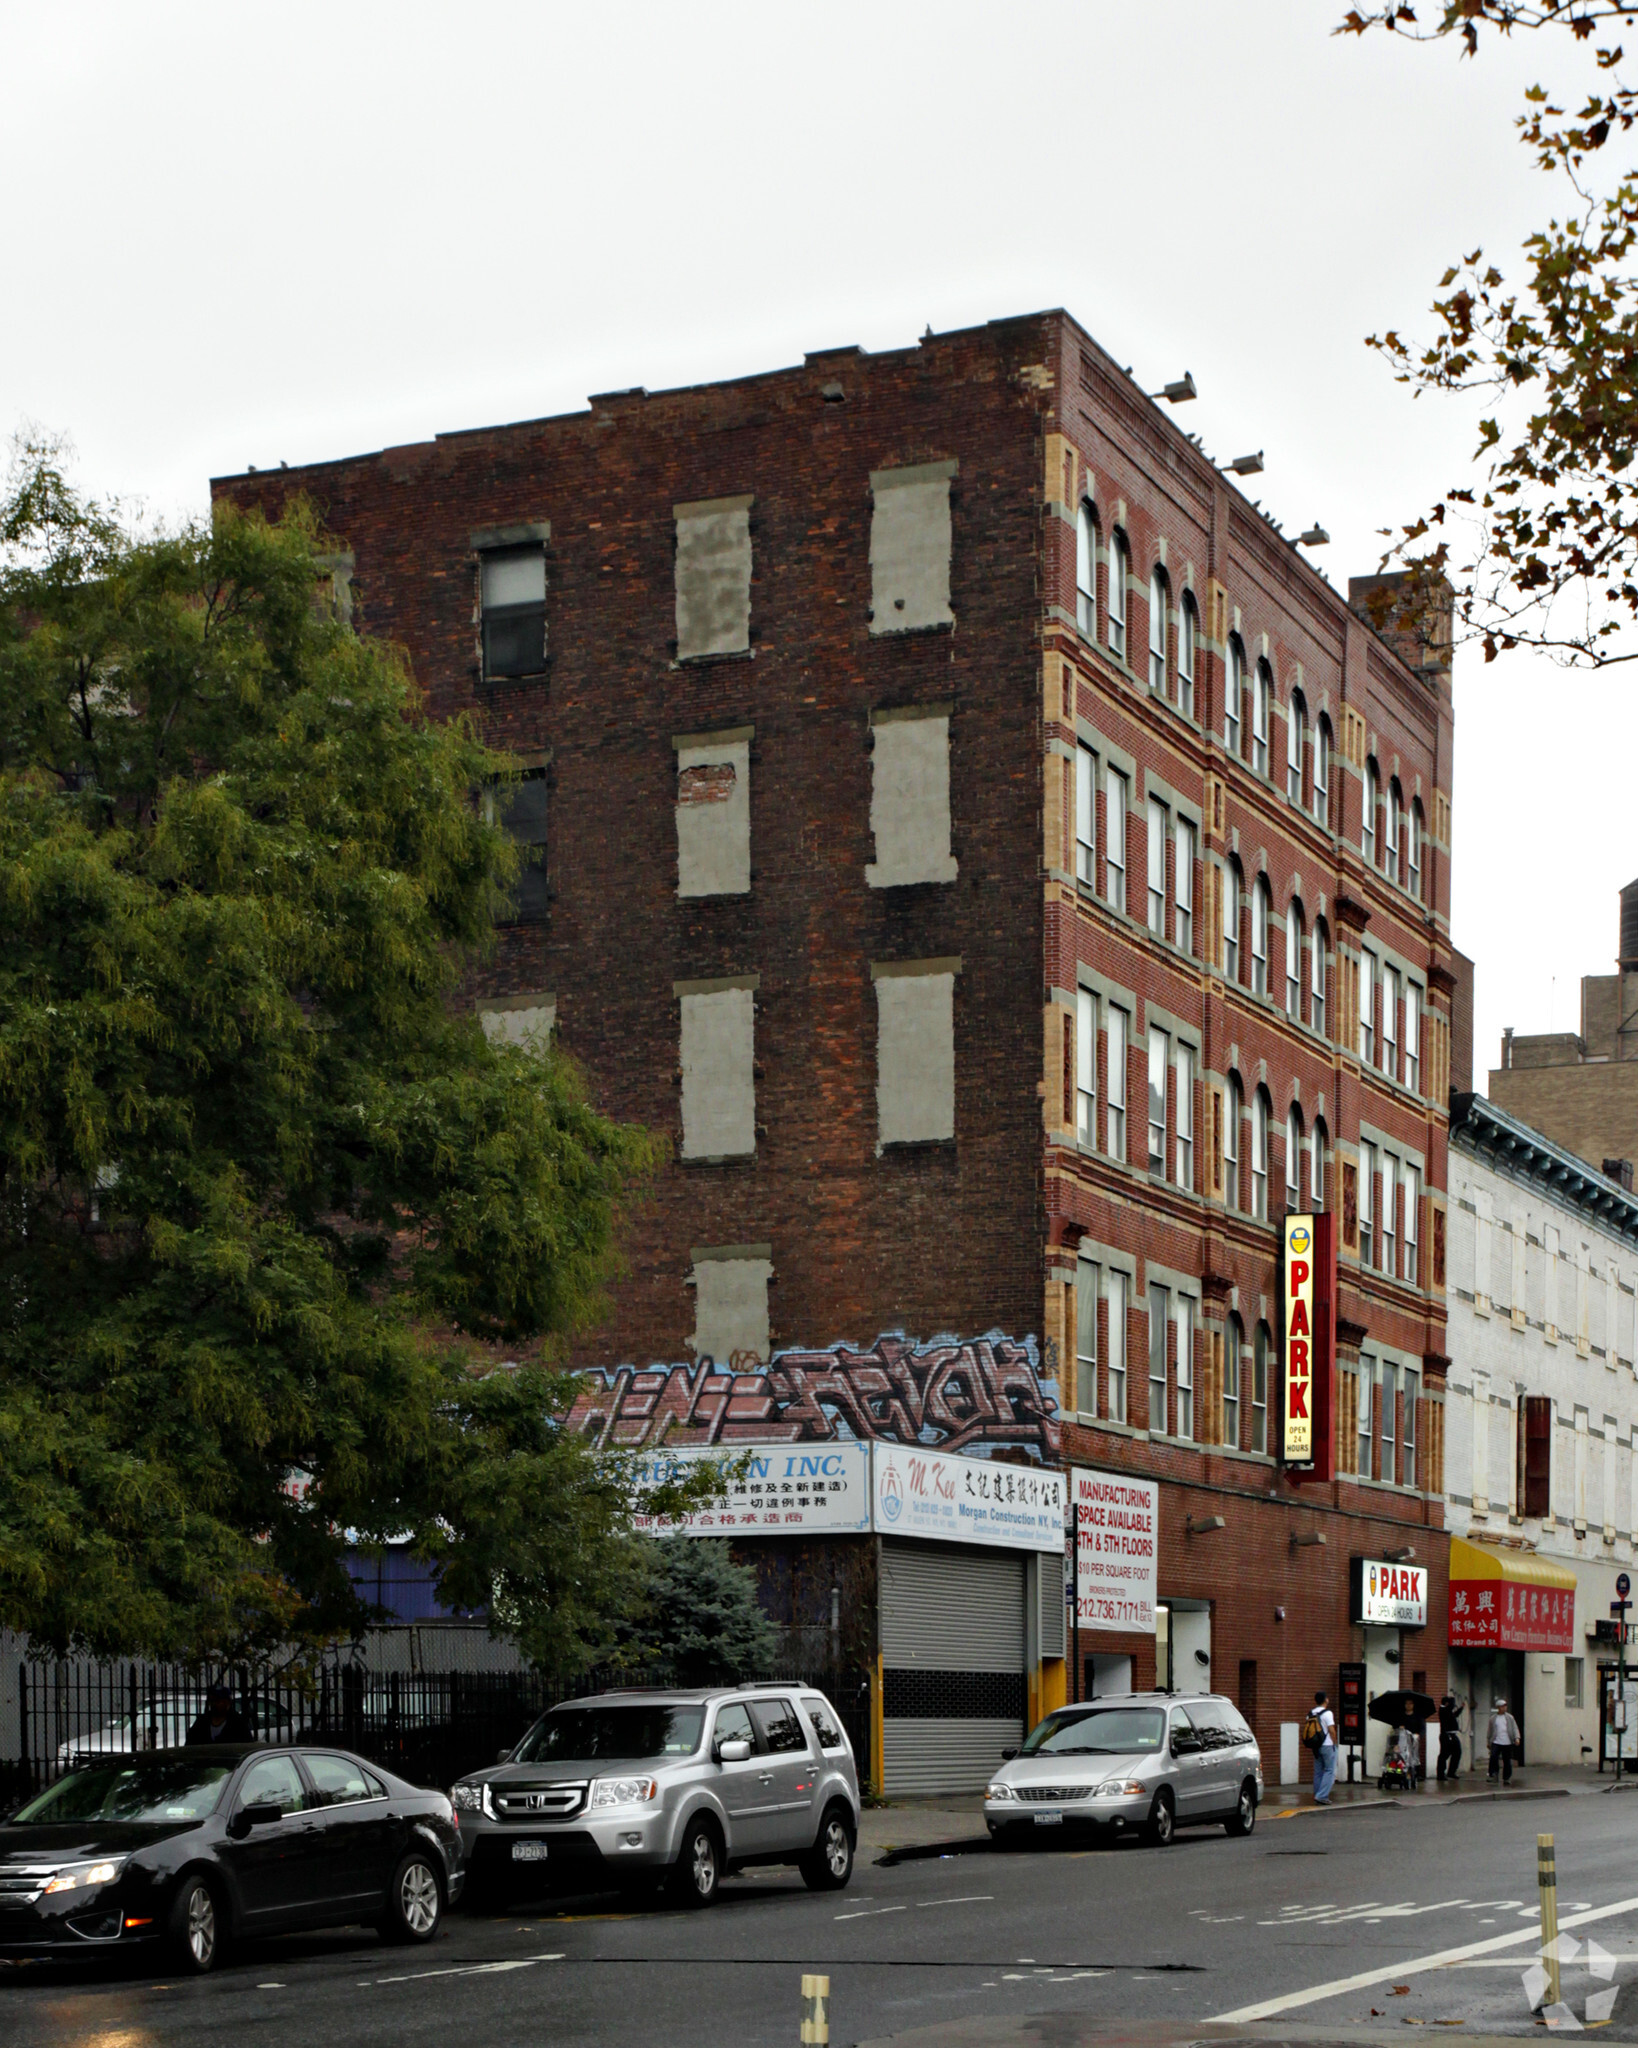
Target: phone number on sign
x=1136 y=1612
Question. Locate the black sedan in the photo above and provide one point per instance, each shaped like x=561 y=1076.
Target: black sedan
x=192 y=1847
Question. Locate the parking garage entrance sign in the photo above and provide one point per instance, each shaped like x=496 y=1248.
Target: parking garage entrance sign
x=1117 y=1544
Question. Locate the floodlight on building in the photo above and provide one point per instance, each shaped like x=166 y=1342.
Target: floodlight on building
x=1402 y=1555
x=1199 y=1525
x=1315 y=537
x=1313 y=1540
x=1181 y=391
x=1248 y=465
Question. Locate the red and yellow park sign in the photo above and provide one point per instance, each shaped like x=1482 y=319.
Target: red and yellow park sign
x=1307 y=1296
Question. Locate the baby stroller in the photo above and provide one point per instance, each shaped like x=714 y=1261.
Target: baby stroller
x=1398 y=1775
x=1407 y=1714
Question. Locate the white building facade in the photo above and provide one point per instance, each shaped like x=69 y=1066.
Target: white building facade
x=1542 y=1400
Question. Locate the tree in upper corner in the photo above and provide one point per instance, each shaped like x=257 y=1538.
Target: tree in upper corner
x=269 y=1198
x=1554 y=516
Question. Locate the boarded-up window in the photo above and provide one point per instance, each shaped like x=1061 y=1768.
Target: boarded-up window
x=910 y=798
x=713 y=577
x=910 y=548
x=915 y=1050
x=1535 y=1454
x=714 y=814
x=519 y=1020
x=718 y=1091
x=730 y=1285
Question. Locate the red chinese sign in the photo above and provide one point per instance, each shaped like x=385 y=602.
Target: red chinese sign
x=1490 y=1614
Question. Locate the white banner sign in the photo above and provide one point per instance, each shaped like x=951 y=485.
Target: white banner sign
x=1117 y=1551
x=796 y=1488
x=965 y=1500
x=1393 y=1595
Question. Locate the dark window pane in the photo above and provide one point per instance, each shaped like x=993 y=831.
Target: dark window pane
x=525 y=810
x=514 y=641
x=781 y=1730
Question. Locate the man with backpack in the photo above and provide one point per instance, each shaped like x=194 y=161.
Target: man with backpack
x=1319 y=1735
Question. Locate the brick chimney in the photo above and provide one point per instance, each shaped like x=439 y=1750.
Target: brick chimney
x=1414 y=613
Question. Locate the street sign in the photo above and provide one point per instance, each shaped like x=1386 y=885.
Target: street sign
x=1623 y=1585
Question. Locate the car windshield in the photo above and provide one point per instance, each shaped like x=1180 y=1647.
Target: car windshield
x=596 y=1734
x=1113 y=1731
x=173 y=1788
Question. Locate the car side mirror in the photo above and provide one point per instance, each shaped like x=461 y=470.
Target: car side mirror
x=505 y=1757
x=257 y=1814
x=736 y=1750
x=1007 y=1755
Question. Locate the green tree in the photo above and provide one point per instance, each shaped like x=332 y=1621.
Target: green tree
x=1543 y=549
x=699 y=1622
x=285 y=1241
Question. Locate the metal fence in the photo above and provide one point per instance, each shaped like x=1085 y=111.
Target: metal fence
x=428 y=1727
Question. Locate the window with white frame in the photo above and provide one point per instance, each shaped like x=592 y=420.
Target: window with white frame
x=1261 y=1356
x=1115 y=1284
x=1159 y=1047
x=1413 y=1390
x=1367 y=1008
x=1119 y=564
x=1157 y=632
x=1231 y=920
x=1259 y=1155
x=1316 y=978
x=1259 y=938
x=1575 y=1683
x=1293 y=961
x=1390 y=828
x=1234 y=690
x=1413 y=1038
x=1160 y=1302
x=1185 y=1117
x=1390 y=1022
x=1367 y=822
x=1086 y=572
x=1086 y=1066
x=1185 y=1367
x=1188 y=635
x=1231 y=1142
x=1390 y=1202
x=1366 y=1377
x=1157 y=867
x=1414 y=832
x=1322 y=771
x=1316 y=1165
x=1086 y=816
x=1233 y=1341
x=1088 y=1278
x=1114 y=838
x=1293 y=1158
x=1114 y=1086
x=1413 y=1210
x=1296 y=739
x=1262 y=692
x=1183 y=885
x=1389 y=1407
x=1367 y=1188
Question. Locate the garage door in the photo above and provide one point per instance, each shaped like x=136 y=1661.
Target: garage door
x=953 y=1694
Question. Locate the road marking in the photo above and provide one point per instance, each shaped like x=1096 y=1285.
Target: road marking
x=874 y=1913
x=967 y=1899
x=1441 y=1959
x=270 y=1987
x=466 y=1970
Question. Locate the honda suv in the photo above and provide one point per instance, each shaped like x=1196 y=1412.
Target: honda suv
x=674 y=1788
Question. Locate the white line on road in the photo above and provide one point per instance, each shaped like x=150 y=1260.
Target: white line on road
x=874 y=1913
x=469 y=1970
x=1267 y=2007
x=966 y=1899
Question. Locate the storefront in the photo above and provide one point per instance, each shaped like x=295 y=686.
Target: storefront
x=1388 y=1604
x=1512 y=1619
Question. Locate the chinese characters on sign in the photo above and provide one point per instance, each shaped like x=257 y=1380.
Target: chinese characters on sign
x=778 y=1490
x=1117 y=1523
x=1389 y=1595
x=966 y=1500
x=1490 y=1614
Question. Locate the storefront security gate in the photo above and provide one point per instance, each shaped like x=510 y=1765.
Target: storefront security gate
x=953 y=1664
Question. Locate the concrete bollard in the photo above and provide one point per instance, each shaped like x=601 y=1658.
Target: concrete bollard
x=1547 y=1887
x=815 y=2012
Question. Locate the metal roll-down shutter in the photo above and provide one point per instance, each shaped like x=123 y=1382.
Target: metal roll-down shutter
x=953 y=1678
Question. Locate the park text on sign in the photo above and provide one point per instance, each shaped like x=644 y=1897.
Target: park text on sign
x=1297 y=1252
x=1390 y=1595
x=1117 y=1541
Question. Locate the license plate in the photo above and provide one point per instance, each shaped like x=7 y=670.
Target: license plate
x=1049 y=1819
x=528 y=1852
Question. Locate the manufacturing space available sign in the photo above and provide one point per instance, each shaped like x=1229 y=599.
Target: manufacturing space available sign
x=1389 y=1595
x=965 y=1500
x=1117 y=1542
x=793 y=1488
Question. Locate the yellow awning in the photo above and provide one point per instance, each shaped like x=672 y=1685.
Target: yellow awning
x=1507 y=1567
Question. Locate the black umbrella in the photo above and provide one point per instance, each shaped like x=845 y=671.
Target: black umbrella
x=1403 y=1709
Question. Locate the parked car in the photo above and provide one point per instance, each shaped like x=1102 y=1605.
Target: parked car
x=189 y=1848
x=1148 y=1763
x=164 y=1724
x=678 y=1788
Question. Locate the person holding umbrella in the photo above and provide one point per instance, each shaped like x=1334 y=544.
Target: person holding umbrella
x=1407 y=1713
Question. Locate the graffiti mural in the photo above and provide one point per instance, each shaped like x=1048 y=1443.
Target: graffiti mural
x=974 y=1395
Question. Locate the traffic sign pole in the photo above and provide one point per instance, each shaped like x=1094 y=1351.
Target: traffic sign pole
x=1623 y=1586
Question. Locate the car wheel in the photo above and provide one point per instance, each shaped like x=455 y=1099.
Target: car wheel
x=415 y=1901
x=197 y=1929
x=828 y=1865
x=1162 y=1822
x=1245 y=1814
x=697 y=1871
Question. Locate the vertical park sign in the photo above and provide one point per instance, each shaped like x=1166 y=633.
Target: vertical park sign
x=1308 y=1289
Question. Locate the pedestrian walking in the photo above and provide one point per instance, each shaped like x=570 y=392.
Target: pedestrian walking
x=221 y=1721
x=1504 y=1740
x=1319 y=1733
x=1450 y=1738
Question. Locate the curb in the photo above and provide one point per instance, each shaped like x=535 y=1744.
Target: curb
x=927 y=1852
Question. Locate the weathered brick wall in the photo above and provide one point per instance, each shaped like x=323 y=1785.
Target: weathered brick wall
x=1591 y=1109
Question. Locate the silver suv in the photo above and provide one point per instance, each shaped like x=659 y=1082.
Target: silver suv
x=1150 y=1762
x=678 y=1788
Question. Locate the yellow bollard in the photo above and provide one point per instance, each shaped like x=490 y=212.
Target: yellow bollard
x=1547 y=1886
x=815 y=2012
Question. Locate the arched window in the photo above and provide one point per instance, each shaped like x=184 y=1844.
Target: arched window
x=1293 y=960
x=1316 y=978
x=1367 y=823
x=1260 y=1112
x=1296 y=739
x=1316 y=1165
x=1157 y=630
x=1259 y=937
x=1233 y=890
x=1188 y=632
x=1234 y=693
x=1293 y=1158
x=1413 y=848
x=1232 y=1100
x=1262 y=1352
x=1391 y=822
x=1322 y=771
x=1234 y=1340
x=1120 y=561
x=1086 y=570
x=1262 y=695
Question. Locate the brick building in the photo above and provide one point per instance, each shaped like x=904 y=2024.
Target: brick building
x=1011 y=877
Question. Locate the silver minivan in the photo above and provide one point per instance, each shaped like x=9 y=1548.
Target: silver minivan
x=1147 y=1762
x=643 y=1788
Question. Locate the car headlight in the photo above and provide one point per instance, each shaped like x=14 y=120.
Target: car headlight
x=999 y=1790
x=623 y=1791
x=1119 y=1788
x=84 y=1876
x=471 y=1797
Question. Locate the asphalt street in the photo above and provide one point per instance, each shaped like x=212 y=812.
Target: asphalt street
x=1373 y=1918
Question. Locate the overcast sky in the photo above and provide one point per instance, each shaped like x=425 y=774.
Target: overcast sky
x=246 y=233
